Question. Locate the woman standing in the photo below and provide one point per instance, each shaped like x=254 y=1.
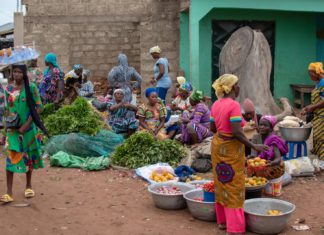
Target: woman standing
x=34 y=73
x=161 y=73
x=23 y=141
x=195 y=125
x=121 y=77
x=152 y=115
x=316 y=72
x=51 y=88
x=228 y=155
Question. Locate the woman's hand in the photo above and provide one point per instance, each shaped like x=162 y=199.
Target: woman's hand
x=185 y=120
x=260 y=148
x=307 y=109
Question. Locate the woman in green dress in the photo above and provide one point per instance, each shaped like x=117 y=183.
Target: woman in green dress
x=23 y=141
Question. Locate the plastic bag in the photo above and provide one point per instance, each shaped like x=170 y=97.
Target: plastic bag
x=82 y=145
x=62 y=159
x=300 y=166
x=146 y=171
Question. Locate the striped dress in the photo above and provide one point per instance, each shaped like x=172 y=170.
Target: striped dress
x=318 y=123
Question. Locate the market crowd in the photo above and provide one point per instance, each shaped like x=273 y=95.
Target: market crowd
x=188 y=118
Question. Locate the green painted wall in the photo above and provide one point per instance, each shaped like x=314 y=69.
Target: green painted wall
x=295 y=45
x=184 y=43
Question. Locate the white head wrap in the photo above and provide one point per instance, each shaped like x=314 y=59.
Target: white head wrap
x=155 y=49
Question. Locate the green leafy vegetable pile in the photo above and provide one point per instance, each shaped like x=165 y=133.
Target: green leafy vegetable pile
x=74 y=118
x=143 y=149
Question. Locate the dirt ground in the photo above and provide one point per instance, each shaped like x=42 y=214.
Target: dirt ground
x=70 y=201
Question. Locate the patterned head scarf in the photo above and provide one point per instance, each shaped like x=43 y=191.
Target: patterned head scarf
x=197 y=95
x=149 y=91
x=181 y=80
x=248 y=106
x=155 y=49
x=186 y=87
x=119 y=90
x=77 y=67
x=271 y=119
x=317 y=67
x=224 y=84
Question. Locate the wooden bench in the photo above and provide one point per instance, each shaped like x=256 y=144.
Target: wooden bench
x=302 y=90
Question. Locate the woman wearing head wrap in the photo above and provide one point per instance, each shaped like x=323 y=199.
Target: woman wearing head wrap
x=152 y=115
x=86 y=89
x=161 y=73
x=122 y=114
x=52 y=85
x=181 y=102
x=249 y=113
x=34 y=73
x=23 y=141
x=228 y=156
x=316 y=72
x=121 y=77
x=195 y=127
x=277 y=148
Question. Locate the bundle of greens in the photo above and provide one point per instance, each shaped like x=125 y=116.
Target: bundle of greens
x=74 y=118
x=143 y=149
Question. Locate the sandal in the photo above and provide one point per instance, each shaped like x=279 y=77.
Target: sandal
x=222 y=226
x=6 y=198
x=29 y=193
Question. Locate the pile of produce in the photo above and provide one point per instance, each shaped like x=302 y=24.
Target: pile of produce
x=74 y=118
x=143 y=149
x=167 y=190
x=291 y=122
x=189 y=178
x=257 y=162
x=274 y=212
x=161 y=177
x=209 y=187
x=255 y=181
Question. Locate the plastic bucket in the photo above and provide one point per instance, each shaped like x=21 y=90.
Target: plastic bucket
x=209 y=197
x=274 y=187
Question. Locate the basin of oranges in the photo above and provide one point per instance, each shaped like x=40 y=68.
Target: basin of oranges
x=254 y=181
x=274 y=212
x=163 y=176
x=257 y=162
x=256 y=166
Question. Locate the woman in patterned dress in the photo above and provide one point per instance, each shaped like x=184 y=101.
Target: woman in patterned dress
x=152 y=115
x=52 y=86
x=122 y=114
x=316 y=107
x=228 y=157
x=23 y=143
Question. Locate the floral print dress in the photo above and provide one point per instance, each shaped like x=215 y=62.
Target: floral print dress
x=24 y=150
x=48 y=89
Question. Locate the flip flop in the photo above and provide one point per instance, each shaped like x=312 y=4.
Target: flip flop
x=29 y=193
x=6 y=198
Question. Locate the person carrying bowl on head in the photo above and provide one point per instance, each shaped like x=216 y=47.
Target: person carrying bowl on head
x=23 y=139
x=161 y=73
x=228 y=155
x=152 y=115
x=316 y=108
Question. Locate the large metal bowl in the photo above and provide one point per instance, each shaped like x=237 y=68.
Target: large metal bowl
x=169 y=202
x=296 y=134
x=258 y=221
x=199 y=209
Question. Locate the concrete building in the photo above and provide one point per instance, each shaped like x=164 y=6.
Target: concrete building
x=294 y=30
x=94 y=32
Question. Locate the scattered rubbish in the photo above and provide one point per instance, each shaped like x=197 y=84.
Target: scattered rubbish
x=301 y=227
x=21 y=205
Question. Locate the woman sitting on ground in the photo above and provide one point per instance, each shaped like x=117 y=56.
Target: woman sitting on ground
x=196 y=127
x=86 y=89
x=122 y=114
x=277 y=148
x=152 y=115
x=181 y=102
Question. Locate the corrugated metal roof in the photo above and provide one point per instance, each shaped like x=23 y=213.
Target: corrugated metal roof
x=6 y=28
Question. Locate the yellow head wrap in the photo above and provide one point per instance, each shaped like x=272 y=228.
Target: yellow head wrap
x=181 y=80
x=224 y=84
x=317 y=67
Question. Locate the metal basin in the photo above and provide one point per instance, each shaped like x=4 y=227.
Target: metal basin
x=200 y=210
x=169 y=202
x=296 y=134
x=259 y=222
